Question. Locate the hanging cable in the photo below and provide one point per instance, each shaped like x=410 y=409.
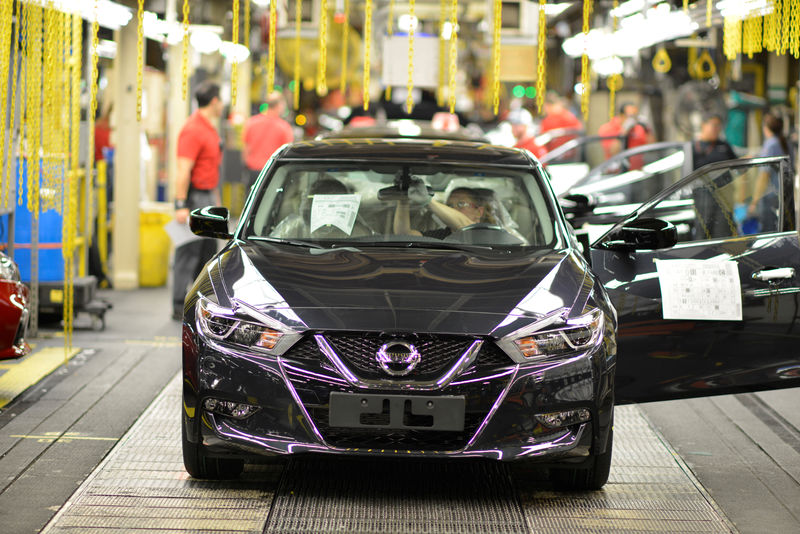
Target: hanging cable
x=273 y=28
x=15 y=68
x=410 y=81
x=93 y=107
x=139 y=59
x=498 y=15
x=185 y=55
x=298 y=19
x=234 y=62
x=322 y=64
x=6 y=12
x=34 y=107
x=345 y=46
x=390 y=32
x=541 y=51
x=367 y=44
x=585 y=83
x=453 y=55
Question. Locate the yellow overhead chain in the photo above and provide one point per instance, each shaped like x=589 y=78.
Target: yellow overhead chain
x=33 y=110
x=298 y=19
x=89 y=179
x=15 y=68
x=498 y=13
x=443 y=5
x=65 y=110
x=322 y=65
x=246 y=40
x=786 y=17
x=685 y=6
x=709 y=7
x=345 y=46
x=614 y=82
x=541 y=51
x=69 y=221
x=732 y=37
x=185 y=58
x=453 y=55
x=23 y=80
x=273 y=28
x=234 y=63
x=772 y=20
x=585 y=75
x=367 y=44
x=661 y=61
x=794 y=29
x=50 y=126
x=139 y=57
x=390 y=32
x=752 y=36
x=410 y=81
x=6 y=12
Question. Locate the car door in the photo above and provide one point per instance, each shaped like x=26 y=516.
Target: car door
x=718 y=311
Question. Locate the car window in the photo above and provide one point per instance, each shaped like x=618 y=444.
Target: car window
x=634 y=178
x=366 y=203
x=726 y=202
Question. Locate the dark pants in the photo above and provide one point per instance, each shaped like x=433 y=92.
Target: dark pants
x=190 y=258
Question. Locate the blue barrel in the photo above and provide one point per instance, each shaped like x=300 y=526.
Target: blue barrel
x=51 y=261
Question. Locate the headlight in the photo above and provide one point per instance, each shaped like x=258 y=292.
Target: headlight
x=226 y=325
x=575 y=335
x=8 y=269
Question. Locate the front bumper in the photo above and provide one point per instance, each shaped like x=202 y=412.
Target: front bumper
x=292 y=394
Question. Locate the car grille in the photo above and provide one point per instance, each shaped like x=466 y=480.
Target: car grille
x=439 y=353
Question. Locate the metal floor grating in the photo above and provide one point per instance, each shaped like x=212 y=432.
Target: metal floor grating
x=141 y=486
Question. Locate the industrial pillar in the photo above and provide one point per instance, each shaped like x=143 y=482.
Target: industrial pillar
x=127 y=163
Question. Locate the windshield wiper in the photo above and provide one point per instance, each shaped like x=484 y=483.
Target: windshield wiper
x=428 y=244
x=283 y=241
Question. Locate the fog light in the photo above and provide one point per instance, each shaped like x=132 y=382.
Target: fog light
x=237 y=410
x=566 y=418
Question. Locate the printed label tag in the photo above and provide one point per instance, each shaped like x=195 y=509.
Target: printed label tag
x=335 y=210
x=700 y=290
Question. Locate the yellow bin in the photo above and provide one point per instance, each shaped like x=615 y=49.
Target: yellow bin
x=154 y=243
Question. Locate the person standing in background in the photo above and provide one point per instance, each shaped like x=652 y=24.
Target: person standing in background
x=764 y=203
x=265 y=133
x=557 y=117
x=709 y=147
x=199 y=158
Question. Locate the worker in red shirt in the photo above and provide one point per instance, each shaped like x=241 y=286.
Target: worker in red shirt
x=265 y=133
x=556 y=117
x=521 y=123
x=199 y=158
x=631 y=131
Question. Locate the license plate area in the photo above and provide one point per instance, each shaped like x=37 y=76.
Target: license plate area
x=351 y=410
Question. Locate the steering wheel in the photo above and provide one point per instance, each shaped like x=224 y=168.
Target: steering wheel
x=483 y=234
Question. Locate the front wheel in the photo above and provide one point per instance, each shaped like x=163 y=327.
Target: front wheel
x=589 y=478
x=199 y=465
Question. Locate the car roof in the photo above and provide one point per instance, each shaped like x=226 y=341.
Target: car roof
x=402 y=129
x=405 y=150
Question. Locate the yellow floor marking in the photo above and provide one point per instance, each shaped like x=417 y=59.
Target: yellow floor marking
x=30 y=370
x=66 y=437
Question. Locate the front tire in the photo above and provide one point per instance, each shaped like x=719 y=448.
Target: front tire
x=198 y=465
x=590 y=478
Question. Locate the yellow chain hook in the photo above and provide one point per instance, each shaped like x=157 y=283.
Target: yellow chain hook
x=661 y=61
x=704 y=67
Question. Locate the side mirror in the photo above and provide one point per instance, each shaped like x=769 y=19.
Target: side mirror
x=211 y=221
x=577 y=204
x=642 y=234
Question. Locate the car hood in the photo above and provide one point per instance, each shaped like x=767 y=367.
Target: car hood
x=401 y=290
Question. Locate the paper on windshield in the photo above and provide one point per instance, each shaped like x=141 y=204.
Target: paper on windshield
x=335 y=210
x=700 y=289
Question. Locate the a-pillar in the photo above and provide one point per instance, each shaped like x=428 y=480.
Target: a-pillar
x=127 y=163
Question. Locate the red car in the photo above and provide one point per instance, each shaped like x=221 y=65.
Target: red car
x=13 y=311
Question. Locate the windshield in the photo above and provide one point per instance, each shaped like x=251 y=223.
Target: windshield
x=362 y=204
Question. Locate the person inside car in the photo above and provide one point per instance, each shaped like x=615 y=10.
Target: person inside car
x=463 y=207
